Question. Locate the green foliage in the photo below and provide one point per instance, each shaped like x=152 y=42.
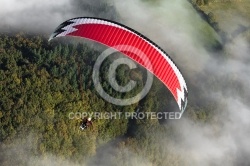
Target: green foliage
x=41 y=83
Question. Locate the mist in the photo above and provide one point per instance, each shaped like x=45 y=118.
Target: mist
x=226 y=140
x=44 y=16
x=178 y=29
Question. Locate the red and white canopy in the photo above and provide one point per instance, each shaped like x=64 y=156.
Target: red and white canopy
x=113 y=34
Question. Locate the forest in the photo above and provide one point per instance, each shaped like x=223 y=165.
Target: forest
x=41 y=83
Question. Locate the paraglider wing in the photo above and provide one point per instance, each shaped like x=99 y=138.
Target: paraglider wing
x=113 y=34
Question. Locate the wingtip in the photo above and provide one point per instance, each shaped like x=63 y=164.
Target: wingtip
x=51 y=37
